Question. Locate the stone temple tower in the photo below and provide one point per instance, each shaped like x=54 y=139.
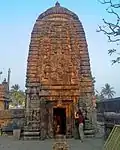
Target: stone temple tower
x=58 y=72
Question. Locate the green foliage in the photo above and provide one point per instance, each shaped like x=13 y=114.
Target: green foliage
x=108 y=91
x=17 y=96
x=15 y=87
x=99 y=96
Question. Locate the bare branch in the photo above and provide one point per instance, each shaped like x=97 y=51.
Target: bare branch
x=105 y=2
x=105 y=32
x=112 y=40
x=110 y=2
x=109 y=34
x=116 y=5
x=118 y=17
x=111 y=26
x=112 y=29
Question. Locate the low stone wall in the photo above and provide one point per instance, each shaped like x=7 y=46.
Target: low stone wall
x=10 y=117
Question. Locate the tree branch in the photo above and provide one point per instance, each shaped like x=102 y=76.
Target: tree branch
x=112 y=29
x=105 y=2
x=112 y=40
x=117 y=5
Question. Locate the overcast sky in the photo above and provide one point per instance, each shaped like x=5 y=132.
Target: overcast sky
x=17 y=18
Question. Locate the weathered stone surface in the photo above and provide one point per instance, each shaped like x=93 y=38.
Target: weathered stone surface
x=58 y=62
x=4 y=95
x=2 y=99
x=9 y=117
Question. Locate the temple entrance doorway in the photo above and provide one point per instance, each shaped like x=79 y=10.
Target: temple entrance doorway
x=59 y=120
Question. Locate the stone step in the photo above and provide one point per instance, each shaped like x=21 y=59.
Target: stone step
x=31 y=138
x=31 y=130
x=89 y=132
x=31 y=133
x=26 y=128
x=89 y=136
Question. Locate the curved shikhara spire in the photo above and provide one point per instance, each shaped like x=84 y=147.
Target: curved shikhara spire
x=58 y=9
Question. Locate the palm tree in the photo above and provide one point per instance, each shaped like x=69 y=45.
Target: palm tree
x=15 y=87
x=17 y=96
x=108 y=91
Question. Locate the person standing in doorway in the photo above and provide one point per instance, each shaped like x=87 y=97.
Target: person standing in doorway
x=81 y=125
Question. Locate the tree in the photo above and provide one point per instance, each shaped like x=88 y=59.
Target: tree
x=15 y=87
x=108 y=91
x=99 y=96
x=112 y=29
x=17 y=96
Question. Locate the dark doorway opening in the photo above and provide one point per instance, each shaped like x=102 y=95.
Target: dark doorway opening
x=59 y=120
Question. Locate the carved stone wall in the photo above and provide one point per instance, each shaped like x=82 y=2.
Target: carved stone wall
x=58 y=62
x=2 y=93
x=9 y=117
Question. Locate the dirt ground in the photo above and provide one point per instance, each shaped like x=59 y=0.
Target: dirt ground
x=8 y=143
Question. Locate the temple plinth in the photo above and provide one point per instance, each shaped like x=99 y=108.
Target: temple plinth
x=58 y=72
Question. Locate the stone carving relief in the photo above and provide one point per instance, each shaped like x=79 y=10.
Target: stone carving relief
x=58 y=58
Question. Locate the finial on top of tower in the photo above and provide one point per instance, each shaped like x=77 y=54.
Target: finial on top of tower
x=57 y=4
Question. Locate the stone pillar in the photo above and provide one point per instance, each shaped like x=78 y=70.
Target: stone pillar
x=27 y=112
x=50 y=120
x=94 y=118
x=43 y=119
